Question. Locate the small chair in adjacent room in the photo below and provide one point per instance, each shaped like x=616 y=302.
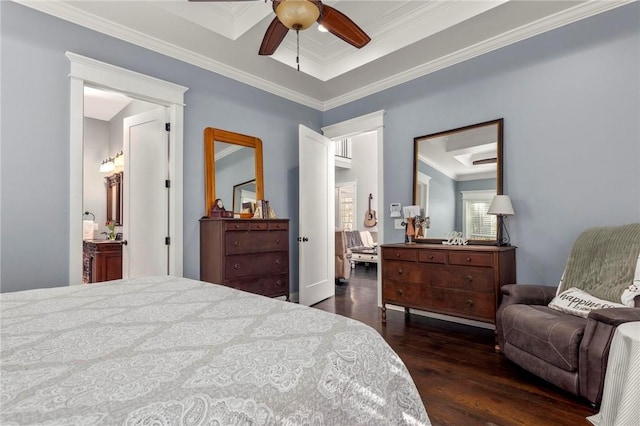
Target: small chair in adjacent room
x=563 y=334
x=343 y=257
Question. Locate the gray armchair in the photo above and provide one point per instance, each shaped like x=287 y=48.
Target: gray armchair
x=567 y=350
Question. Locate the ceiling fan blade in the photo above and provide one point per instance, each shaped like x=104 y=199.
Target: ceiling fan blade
x=273 y=37
x=341 y=26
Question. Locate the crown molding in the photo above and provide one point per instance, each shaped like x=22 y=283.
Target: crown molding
x=74 y=15
x=568 y=16
x=68 y=13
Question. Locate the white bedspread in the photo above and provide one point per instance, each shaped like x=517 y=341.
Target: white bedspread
x=166 y=350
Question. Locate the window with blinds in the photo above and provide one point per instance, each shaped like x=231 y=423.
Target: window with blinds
x=476 y=223
x=346 y=206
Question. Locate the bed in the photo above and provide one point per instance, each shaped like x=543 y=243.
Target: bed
x=167 y=350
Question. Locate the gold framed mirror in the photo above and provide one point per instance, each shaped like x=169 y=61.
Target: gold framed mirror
x=230 y=158
x=456 y=174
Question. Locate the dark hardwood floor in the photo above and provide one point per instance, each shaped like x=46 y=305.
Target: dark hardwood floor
x=461 y=379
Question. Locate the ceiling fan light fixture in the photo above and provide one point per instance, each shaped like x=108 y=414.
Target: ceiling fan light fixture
x=322 y=28
x=297 y=14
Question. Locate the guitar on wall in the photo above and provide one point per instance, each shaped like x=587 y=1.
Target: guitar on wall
x=370 y=218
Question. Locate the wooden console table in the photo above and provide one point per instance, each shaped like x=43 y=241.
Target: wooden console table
x=460 y=281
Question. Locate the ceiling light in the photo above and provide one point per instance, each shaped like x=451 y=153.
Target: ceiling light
x=322 y=29
x=297 y=14
x=119 y=160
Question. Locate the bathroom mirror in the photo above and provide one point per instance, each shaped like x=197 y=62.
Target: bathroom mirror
x=114 y=198
x=456 y=175
x=230 y=158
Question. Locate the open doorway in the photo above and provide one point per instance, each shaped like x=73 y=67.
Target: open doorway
x=89 y=72
x=364 y=179
x=112 y=196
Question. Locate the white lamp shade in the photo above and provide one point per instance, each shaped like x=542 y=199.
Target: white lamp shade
x=501 y=206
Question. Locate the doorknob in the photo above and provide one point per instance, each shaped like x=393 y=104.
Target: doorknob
x=303 y=239
x=125 y=242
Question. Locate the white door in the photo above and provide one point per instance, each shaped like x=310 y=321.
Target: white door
x=317 y=217
x=145 y=195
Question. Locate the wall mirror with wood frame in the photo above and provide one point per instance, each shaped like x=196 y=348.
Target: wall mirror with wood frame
x=231 y=159
x=456 y=174
x=114 y=198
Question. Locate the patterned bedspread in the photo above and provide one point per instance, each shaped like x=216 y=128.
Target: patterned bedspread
x=166 y=350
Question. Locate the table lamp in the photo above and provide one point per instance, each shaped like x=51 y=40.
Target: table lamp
x=501 y=207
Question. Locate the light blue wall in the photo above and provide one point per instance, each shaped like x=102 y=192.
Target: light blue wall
x=234 y=169
x=35 y=140
x=442 y=202
x=570 y=99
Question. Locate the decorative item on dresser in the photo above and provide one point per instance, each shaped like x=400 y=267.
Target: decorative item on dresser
x=460 y=281
x=247 y=254
x=102 y=261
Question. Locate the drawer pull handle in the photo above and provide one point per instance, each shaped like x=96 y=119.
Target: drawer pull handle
x=468 y=259
x=400 y=292
x=279 y=283
x=278 y=241
x=397 y=254
x=236 y=243
x=431 y=257
x=399 y=271
x=469 y=302
x=469 y=278
x=237 y=226
x=236 y=266
x=277 y=261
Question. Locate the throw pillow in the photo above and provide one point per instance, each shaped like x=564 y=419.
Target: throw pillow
x=577 y=302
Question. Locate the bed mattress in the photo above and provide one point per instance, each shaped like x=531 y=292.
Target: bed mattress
x=167 y=350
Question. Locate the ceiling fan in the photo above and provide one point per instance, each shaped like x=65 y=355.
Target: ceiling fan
x=299 y=15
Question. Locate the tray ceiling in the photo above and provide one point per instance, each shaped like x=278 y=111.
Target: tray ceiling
x=409 y=38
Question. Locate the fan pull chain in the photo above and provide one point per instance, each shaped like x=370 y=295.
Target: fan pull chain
x=298 y=49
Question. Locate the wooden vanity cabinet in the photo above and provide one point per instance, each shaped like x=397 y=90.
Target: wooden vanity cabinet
x=102 y=261
x=460 y=281
x=247 y=254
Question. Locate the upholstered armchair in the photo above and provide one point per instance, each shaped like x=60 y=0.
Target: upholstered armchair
x=568 y=344
x=343 y=256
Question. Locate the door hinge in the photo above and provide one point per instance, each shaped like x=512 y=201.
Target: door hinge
x=167 y=127
x=167 y=240
x=167 y=183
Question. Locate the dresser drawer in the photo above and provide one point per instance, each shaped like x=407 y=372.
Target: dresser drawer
x=256 y=264
x=472 y=278
x=399 y=254
x=278 y=225
x=255 y=241
x=468 y=258
x=236 y=225
x=401 y=293
x=266 y=285
x=432 y=256
x=479 y=306
x=401 y=271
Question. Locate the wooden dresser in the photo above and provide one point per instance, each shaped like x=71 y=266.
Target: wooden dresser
x=460 y=281
x=101 y=261
x=247 y=254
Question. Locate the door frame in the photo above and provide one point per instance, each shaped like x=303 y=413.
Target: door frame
x=86 y=70
x=373 y=122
